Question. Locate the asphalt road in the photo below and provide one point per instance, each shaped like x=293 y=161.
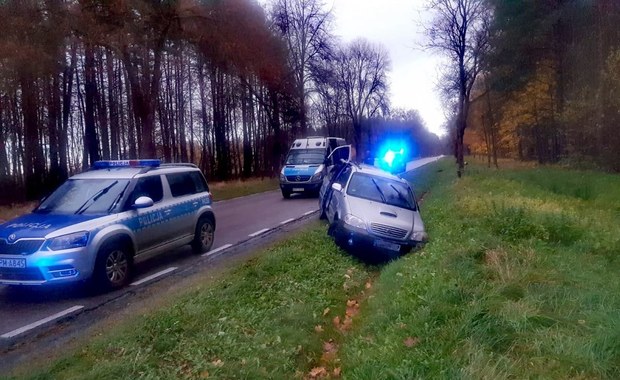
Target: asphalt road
x=25 y=313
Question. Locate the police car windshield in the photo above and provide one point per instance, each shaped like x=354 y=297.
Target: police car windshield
x=305 y=156
x=84 y=196
x=382 y=190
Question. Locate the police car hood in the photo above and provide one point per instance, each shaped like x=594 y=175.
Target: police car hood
x=41 y=225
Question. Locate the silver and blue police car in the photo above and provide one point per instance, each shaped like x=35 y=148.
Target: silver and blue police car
x=99 y=223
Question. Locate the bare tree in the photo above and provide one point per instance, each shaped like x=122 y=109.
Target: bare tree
x=362 y=73
x=460 y=31
x=305 y=25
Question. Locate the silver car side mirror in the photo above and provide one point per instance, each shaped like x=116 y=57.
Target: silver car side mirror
x=337 y=187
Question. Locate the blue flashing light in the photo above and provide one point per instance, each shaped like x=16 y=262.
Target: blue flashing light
x=109 y=164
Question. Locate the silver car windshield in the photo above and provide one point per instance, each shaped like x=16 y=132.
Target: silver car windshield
x=382 y=190
x=305 y=157
x=84 y=196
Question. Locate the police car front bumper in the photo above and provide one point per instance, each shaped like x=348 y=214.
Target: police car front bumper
x=47 y=267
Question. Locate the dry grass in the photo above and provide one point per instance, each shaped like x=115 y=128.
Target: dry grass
x=15 y=210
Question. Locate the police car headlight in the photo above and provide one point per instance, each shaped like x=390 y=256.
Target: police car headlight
x=75 y=240
x=354 y=221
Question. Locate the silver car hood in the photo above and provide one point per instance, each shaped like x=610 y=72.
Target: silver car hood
x=379 y=215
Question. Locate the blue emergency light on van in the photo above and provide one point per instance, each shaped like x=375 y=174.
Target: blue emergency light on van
x=305 y=164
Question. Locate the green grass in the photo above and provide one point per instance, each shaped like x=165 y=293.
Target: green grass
x=520 y=280
x=240 y=188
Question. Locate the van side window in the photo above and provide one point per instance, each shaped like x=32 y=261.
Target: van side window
x=181 y=184
x=147 y=187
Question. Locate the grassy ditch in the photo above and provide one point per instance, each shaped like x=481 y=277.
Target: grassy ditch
x=520 y=279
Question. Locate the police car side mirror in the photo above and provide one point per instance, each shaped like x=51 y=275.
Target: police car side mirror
x=143 y=202
x=337 y=187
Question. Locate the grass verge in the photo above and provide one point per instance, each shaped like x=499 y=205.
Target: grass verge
x=519 y=280
x=234 y=189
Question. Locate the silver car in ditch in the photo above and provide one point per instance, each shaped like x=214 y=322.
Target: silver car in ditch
x=370 y=209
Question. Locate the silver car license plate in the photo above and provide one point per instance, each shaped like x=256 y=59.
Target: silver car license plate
x=386 y=245
x=12 y=263
x=298 y=189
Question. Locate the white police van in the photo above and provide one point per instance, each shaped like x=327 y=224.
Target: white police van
x=99 y=223
x=306 y=164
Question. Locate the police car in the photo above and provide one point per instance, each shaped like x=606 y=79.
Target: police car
x=99 y=223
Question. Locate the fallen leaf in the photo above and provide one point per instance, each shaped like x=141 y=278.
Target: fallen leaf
x=347 y=276
x=368 y=285
x=402 y=325
x=329 y=346
x=326 y=311
x=318 y=328
x=348 y=322
x=318 y=371
x=336 y=321
x=337 y=372
x=410 y=342
x=217 y=363
x=204 y=374
x=351 y=302
x=582 y=322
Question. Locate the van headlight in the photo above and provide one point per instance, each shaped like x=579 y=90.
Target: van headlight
x=317 y=177
x=354 y=221
x=282 y=177
x=75 y=240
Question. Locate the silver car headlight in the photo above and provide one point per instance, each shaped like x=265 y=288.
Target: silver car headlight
x=75 y=240
x=419 y=236
x=354 y=221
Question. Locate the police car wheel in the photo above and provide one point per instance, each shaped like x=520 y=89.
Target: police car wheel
x=204 y=236
x=113 y=266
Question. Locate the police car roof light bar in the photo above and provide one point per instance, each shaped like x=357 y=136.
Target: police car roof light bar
x=109 y=164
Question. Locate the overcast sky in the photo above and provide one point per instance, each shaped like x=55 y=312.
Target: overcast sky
x=396 y=24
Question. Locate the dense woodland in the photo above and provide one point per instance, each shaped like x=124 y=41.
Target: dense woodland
x=225 y=84
x=533 y=79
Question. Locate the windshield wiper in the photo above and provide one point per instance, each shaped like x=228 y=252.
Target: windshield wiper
x=117 y=199
x=94 y=198
x=401 y=196
x=380 y=192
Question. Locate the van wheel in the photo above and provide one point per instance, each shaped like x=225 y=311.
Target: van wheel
x=113 y=266
x=286 y=194
x=204 y=236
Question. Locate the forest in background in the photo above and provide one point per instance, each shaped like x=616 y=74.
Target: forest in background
x=223 y=84
x=549 y=83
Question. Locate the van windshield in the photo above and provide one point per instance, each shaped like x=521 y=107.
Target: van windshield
x=305 y=157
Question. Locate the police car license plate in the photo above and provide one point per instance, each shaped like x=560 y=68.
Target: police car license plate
x=298 y=189
x=386 y=245
x=12 y=263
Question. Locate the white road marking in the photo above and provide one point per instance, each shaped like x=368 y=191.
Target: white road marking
x=310 y=212
x=216 y=250
x=287 y=221
x=40 y=322
x=154 y=275
x=258 y=232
